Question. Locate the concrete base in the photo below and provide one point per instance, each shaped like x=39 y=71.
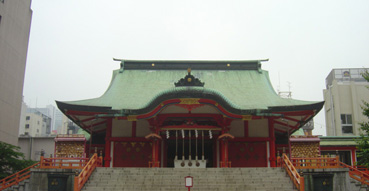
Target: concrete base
x=340 y=178
x=39 y=178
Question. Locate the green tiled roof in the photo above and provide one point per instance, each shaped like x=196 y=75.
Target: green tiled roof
x=242 y=89
x=338 y=141
x=239 y=86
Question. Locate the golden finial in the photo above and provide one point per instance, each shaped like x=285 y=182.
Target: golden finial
x=189 y=70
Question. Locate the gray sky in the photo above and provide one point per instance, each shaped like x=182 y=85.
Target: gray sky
x=72 y=42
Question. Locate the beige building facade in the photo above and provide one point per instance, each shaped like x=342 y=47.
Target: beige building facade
x=37 y=125
x=15 y=22
x=345 y=92
x=32 y=147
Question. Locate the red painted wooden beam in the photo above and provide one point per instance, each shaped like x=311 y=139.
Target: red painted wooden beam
x=88 y=119
x=284 y=124
x=304 y=119
x=84 y=113
x=296 y=113
x=129 y=139
x=96 y=124
x=250 y=139
x=279 y=130
x=291 y=119
x=164 y=128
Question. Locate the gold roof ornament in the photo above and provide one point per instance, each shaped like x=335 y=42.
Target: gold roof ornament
x=189 y=80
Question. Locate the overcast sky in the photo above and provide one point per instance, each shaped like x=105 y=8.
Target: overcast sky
x=72 y=42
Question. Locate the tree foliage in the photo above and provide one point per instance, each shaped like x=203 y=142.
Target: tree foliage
x=363 y=142
x=11 y=160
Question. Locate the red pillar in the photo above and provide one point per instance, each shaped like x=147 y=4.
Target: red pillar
x=157 y=160
x=246 y=128
x=226 y=153
x=221 y=152
x=155 y=153
x=107 y=158
x=272 y=157
x=155 y=149
x=134 y=128
x=353 y=156
x=224 y=150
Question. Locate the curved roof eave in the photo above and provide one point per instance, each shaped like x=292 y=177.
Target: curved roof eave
x=201 y=93
x=242 y=88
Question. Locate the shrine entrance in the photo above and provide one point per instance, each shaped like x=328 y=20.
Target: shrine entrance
x=209 y=147
x=195 y=149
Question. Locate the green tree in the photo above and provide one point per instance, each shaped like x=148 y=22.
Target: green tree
x=363 y=142
x=11 y=160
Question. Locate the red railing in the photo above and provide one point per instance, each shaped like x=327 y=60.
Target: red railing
x=362 y=169
x=316 y=163
x=297 y=180
x=17 y=177
x=45 y=163
x=357 y=174
x=63 y=163
x=81 y=179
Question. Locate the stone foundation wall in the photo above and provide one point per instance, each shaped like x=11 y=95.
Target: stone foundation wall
x=334 y=179
x=40 y=178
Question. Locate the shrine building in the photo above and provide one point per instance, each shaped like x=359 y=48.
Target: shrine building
x=190 y=114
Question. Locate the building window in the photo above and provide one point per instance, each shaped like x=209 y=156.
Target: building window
x=28 y=117
x=346 y=121
x=38 y=131
x=27 y=126
x=26 y=133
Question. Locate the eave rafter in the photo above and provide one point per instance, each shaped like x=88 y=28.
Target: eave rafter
x=284 y=121
x=87 y=120
x=285 y=124
x=290 y=120
x=95 y=124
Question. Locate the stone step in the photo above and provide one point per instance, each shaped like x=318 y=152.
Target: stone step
x=145 y=179
x=155 y=177
x=193 y=173
x=192 y=189
x=125 y=181
x=108 y=169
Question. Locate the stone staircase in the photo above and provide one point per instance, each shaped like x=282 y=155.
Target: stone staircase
x=22 y=186
x=357 y=186
x=207 y=179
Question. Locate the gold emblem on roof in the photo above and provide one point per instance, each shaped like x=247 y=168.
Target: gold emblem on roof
x=189 y=101
x=132 y=118
x=246 y=117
